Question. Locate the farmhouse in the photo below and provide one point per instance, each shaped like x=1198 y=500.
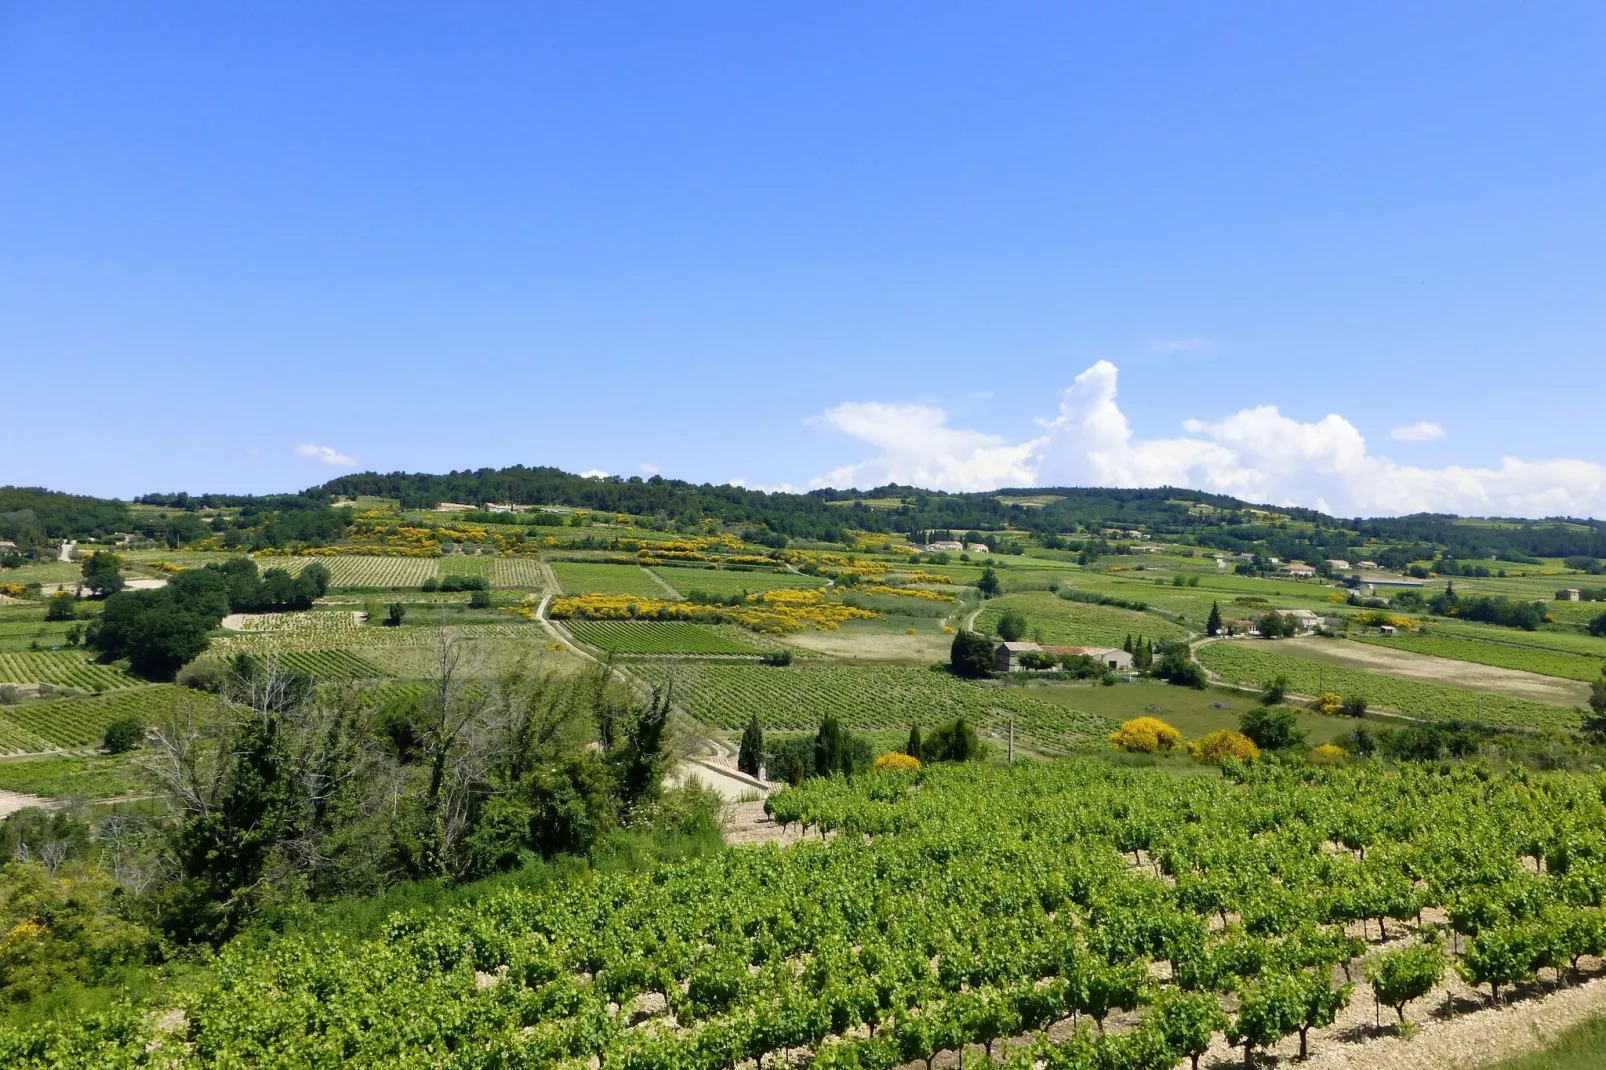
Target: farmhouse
x=7 y=544
x=1387 y=629
x=949 y=546
x=1306 y=620
x=1338 y=563
x=1007 y=655
x=1572 y=594
x=977 y=548
x=453 y=507
x=1295 y=571
x=1366 y=564
x=502 y=507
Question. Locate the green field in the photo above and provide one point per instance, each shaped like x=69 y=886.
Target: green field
x=20 y=632
x=584 y=577
x=351 y=570
x=467 y=565
x=654 y=637
x=726 y=582
x=65 y=668
x=1066 y=623
x=727 y=695
x=81 y=722
x=1256 y=662
x=525 y=572
x=1505 y=655
x=62 y=777
x=1193 y=713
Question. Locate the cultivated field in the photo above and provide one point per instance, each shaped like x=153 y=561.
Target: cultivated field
x=1254 y=663
x=1528 y=659
x=351 y=570
x=81 y=722
x=1066 y=623
x=727 y=695
x=524 y=572
x=666 y=637
x=584 y=577
x=60 y=667
x=726 y=582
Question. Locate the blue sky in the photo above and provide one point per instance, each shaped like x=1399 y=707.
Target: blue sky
x=796 y=244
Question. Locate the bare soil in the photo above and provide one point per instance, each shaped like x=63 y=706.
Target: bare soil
x=1412 y=666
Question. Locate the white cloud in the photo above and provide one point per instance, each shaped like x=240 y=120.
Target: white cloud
x=919 y=448
x=650 y=469
x=326 y=455
x=593 y=473
x=1257 y=454
x=1421 y=431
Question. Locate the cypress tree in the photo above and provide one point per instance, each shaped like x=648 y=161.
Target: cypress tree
x=1213 y=625
x=912 y=749
x=751 y=755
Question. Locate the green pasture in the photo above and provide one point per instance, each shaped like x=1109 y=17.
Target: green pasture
x=1569 y=666
x=1193 y=713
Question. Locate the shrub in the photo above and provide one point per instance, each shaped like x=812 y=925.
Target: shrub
x=951 y=741
x=124 y=734
x=900 y=762
x=1274 y=690
x=971 y=654
x=1353 y=706
x=1328 y=702
x=1271 y=728
x=480 y=599
x=1145 y=735
x=1328 y=754
x=1223 y=744
x=1012 y=625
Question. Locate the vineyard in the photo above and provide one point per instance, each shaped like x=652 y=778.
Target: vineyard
x=523 y=572
x=81 y=722
x=1065 y=623
x=62 y=668
x=647 y=637
x=1073 y=896
x=367 y=636
x=728 y=695
x=1504 y=655
x=1255 y=663
x=467 y=565
x=726 y=582
x=584 y=577
x=338 y=624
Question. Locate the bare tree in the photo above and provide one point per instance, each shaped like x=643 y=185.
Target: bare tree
x=52 y=853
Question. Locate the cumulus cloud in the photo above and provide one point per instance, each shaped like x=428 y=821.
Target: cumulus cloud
x=326 y=455
x=650 y=469
x=593 y=473
x=918 y=447
x=1421 y=431
x=1257 y=454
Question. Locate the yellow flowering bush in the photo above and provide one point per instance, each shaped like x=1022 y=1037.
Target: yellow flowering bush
x=13 y=590
x=1328 y=754
x=164 y=566
x=908 y=592
x=1328 y=702
x=902 y=763
x=1222 y=744
x=1145 y=735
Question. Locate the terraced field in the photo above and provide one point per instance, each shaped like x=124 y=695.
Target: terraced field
x=60 y=667
x=585 y=577
x=1066 y=623
x=1568 y=666
x=726 y=582
x=728 y=694
x=1255 y=663
x=658 y=637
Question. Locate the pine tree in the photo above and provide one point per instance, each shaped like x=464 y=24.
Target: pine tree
x=1213 y=625
x=751 y=755
x=1127 y=646
x=912 y=749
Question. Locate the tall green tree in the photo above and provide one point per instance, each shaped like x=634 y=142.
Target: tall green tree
x=971 y=654
x=1213 y=622
x=1012 y=625
x=103 y=573
x=988 y=585
x=750 y=757
x=831 y=751
x=912 y=748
